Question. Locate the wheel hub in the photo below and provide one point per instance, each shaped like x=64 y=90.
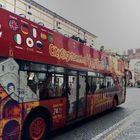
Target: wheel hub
x=37 y=128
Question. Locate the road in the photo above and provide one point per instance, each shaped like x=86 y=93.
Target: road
x=105 y=126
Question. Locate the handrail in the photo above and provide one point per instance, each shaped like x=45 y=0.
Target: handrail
x=50 y=18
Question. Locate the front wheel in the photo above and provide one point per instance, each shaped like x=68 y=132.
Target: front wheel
x=36 y=127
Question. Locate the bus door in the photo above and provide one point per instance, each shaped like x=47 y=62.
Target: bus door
x=71 y=89
x=81 y=94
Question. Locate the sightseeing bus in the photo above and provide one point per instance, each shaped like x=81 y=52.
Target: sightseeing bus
x=48 y=80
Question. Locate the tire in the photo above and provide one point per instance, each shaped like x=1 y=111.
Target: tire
x=36 y=127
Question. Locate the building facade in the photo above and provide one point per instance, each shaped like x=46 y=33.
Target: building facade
x=134 y=64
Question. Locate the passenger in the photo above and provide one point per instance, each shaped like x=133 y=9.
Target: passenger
x=94 y=86
x=108 y=84
x=50 y=86
x=57 y=88
x=42 y=91
x=87 y=86
x=102 y=86
x=69 y=88
x=47 y=89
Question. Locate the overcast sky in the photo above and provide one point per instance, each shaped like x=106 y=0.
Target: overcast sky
x=115 y=22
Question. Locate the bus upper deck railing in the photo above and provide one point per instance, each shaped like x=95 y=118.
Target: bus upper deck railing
x=33 y=11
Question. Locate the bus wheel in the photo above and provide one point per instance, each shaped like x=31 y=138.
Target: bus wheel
x=36 y=127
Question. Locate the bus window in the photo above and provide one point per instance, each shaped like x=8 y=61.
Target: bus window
x=89 y=82
x=72 y=94
x=43 y=68
x=93 y=84
x=109 y=82
x=52 y=86
x=48 y=86
x=102 y=81
x=83 y=85
x=32 y=81
x=72 y=84
x=30 y=66
x=92 y=81
x=2 y=59
x=34 y=67
x=59 y=85
x=57 y=80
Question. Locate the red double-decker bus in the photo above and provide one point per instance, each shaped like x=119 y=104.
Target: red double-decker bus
x=48 y=80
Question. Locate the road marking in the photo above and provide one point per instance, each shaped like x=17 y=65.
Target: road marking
x=117 y=128
x=114 y=134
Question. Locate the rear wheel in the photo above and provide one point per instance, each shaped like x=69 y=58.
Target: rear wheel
x=37 y=127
